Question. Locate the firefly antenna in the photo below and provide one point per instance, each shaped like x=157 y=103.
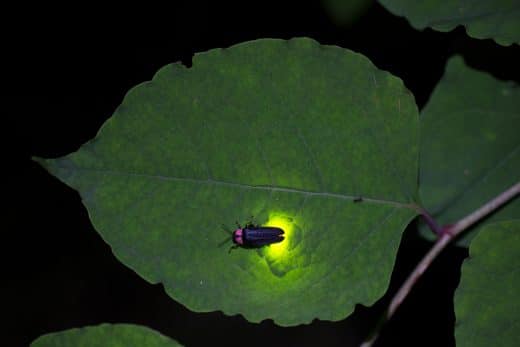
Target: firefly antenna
x=222 y=243
x=226 y=229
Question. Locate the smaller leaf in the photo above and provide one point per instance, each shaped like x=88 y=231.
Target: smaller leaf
x=486 y=302
x=495 y=19
x=106 y=335
x=469 y=146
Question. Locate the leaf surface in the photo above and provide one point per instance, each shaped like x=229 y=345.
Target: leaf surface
x=291 y=132
x=495 y=19
x=106 y=335
x=470 y=148
x=486 y=302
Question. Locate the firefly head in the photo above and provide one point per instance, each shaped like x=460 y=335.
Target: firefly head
x=237 y=237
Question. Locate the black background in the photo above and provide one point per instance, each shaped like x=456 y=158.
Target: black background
x=69 y=73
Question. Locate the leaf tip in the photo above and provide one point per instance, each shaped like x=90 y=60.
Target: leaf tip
x=42 y=161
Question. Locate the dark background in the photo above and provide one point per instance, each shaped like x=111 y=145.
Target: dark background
x=69 y=73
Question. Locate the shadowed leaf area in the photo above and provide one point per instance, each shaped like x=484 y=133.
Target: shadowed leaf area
x=106 y=335
x=313 y=139
x=486 y=302
x=346 y=12
x=470 y=148
x=485 y=19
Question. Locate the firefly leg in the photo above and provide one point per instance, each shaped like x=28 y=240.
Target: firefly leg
x=251 y=222
x=238 y=225
x=232 y=248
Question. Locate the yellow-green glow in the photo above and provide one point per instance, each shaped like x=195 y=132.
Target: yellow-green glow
x=278 y=250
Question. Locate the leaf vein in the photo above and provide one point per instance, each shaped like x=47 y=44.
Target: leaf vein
x=366 y=199
x=313 y=158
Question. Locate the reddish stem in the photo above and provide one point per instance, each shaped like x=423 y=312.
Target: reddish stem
x=447 y=233
x=431 y=222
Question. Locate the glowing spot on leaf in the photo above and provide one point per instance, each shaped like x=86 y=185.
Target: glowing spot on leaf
x=278 y=250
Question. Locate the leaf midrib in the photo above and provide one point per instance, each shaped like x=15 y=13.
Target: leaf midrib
x=397 y=204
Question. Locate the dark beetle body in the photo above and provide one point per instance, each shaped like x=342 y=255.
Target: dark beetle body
x=254 y=236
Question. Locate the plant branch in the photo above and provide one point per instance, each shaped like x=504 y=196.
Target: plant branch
x=447 y=233
x=464 y=223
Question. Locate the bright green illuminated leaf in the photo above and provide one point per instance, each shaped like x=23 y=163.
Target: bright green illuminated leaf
x=470 y=148
x=486 y=302
x=106 y=335
x=290 y=132
x=483 y=19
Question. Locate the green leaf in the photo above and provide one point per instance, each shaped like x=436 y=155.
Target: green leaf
x=106 y=335
x=486 y=302
x=470 y=148
x=290 y=132
x=495 y=19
